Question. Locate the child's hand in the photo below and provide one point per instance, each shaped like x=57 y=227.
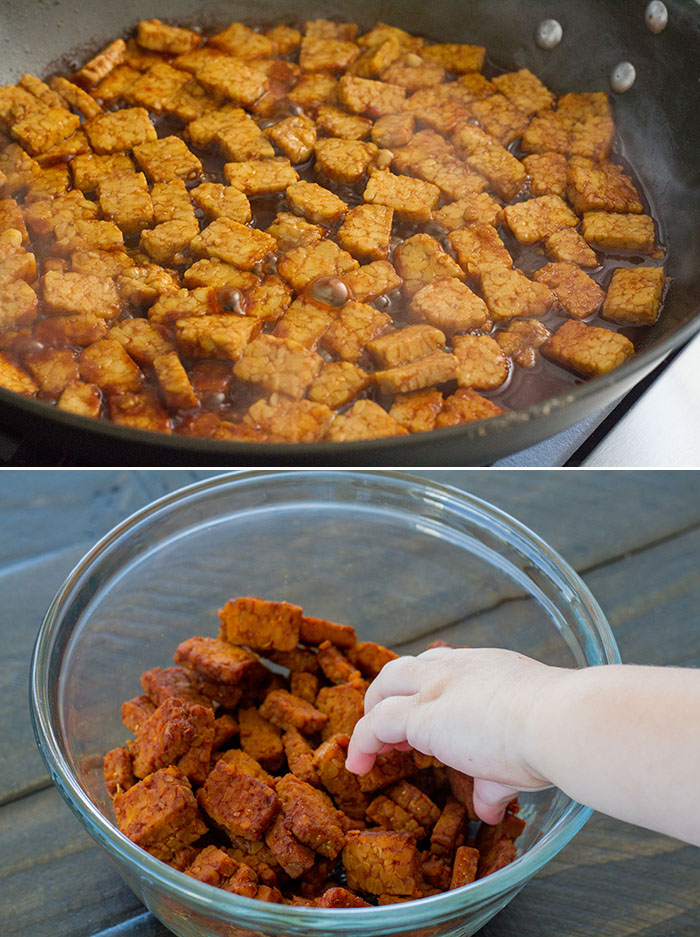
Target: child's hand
x=467 y=707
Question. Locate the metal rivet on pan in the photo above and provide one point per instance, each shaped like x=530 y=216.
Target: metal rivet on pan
x=549 y=34
x=656 y=16
x=622 y=77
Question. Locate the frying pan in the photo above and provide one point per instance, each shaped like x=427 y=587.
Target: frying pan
x=658 y=121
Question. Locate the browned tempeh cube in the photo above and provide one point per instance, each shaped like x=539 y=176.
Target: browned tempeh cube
x=338 y=897
x=135 y=711
x=412 y=199
x=81 y=398
x=313 y=90
x=389 y=767
x=355 y=326
x=268 y=300
x=290 y=231
x=300 y=755
x=390 y=816
x=167 y=159
x=568 y=246
x=500 y=855
x=288 y=711
x=415 y=802
x=586 y=349
x=238 y=803
x=304 y=322
x=466 y=406
x=421 y=259
x=225 y=727
x=318 y=630
x=382 y=862
x=90 y=169
x=475 y=206
x=344 y=161
x=436 y=871
x=364 y=420
x=261 y=176
x=160 y=813
x=601 y=187
x=142 y=340
x=285 y=420
x=232 y=79
x=241 y=139
x=217 y=660
x=125 y=200
x=304 y=685
x=279 y=365
x=177 y=733
x=417 y=410
x=162 y=684
x=449 y=305
x=120 y=130
x=335 y=664
x=141 y=410
x=618 y=231
x=260 y=739
x=316 y=203
x=101 y=65
x=338 y=383
x=370 y=98
x=212 y=866
x=329 y=762
x=19 y=305
x=525 y=91
x=465 y=866
x=521 y=339
x=118 y=771
x=578 y=294
x=370 y=658
x=401 y=346
x=53 y=369
x=490 y=158
x=295 y=136
x=234 y=243
x=172 y=306
x=366 y=232
x=326 y=55
x=246 y=764
x=344 y=707
x=448 y=832
x=208 y=273
x=509 y=293
x=38 y=131
x=106 y=364
x=456 y=57
x=482 y=363
x=309 y=814
x=634 y=295
x=547 y=172
x=115 y=85
x=303 y=265
x=261 y=624
x=294 y=857
x=152 y=34
x=242 y=42
x=500 y=117
x=370 y=281
x=14 y=378
x=155 y=88
x=436 y=368
x=337 y=123
x=537 y=218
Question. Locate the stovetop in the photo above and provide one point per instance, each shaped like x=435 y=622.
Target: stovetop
x=657 y=424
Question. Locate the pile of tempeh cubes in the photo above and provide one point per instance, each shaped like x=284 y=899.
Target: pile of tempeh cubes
x=300 y=235
x=236 y=775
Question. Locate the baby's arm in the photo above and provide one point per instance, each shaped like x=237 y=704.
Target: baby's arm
x=621 y=739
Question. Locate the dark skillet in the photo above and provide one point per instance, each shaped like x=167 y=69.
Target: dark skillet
x=658 y=121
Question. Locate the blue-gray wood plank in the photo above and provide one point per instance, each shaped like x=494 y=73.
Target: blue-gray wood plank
x=635 y=537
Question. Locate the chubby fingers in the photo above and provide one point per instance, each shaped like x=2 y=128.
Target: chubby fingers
x=400 y=677
x=383 y=725
x=491 y=799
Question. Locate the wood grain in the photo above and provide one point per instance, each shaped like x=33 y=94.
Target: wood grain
x=635 y=537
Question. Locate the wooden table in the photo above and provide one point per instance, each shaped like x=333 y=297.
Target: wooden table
x=634 y=537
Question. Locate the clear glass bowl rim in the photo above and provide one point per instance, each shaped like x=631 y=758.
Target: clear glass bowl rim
x=225 y=906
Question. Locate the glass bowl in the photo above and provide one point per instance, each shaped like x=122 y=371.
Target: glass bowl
x=402 y=559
